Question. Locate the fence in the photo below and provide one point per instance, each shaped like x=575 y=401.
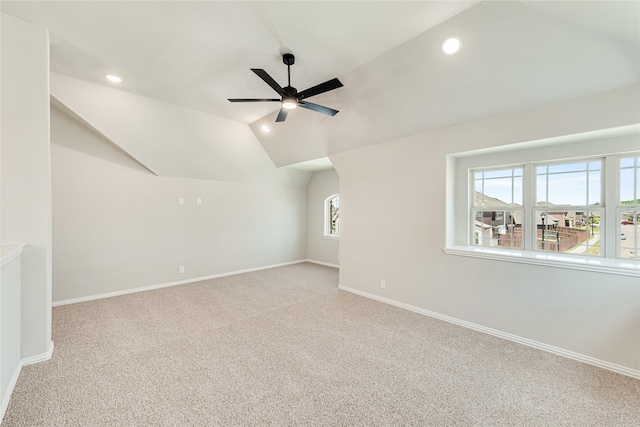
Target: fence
x=560 y=239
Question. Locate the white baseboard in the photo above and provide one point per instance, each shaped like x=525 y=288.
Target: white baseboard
x=42 y=357
x=326 y=264
x=169 y=284
x=4 y=404
x=520 y=340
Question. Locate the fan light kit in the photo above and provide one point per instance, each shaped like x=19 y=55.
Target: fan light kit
x=290 y=98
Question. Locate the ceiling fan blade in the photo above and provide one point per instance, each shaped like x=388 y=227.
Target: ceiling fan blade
x=268 y=80
x=322 y=87
x=282 y=115
x=254 y=100
x=318 y=108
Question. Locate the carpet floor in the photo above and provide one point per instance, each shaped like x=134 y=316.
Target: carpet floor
x=285 y=347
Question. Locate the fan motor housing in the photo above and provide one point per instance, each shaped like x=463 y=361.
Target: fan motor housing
x=288 y=59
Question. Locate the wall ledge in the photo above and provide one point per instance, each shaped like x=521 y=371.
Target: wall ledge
x=634 y=373
x=573 y=262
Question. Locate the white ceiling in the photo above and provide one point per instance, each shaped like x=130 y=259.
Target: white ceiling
x=516 y=56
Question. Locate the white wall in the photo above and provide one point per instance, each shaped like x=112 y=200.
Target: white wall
x=10 y=283
x=592 y=314
x=26 y=172
x=116 y=226
x=319 y=248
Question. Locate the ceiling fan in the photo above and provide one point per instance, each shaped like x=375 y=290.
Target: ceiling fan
x=289 y=96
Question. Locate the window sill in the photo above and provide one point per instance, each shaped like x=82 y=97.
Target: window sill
x=600 y=265
x=330 y=236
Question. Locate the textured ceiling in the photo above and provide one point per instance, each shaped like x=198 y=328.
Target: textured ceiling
x=516 y=56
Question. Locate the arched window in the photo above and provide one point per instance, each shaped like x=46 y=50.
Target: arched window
x=331 y=216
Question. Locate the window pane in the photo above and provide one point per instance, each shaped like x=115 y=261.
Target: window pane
x=595 y=190
x=629 y=238
x=479 y=196
x=565 y=231
x=498 y=174
x=498 y=188
x=517 y=190
x=568 y=167
x=497 y=228
x=626 y=186
x=541 y=189
x=568 y=189
x=569 y=184
x=627 y=162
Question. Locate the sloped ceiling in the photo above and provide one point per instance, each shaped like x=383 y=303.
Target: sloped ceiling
x=516 y=56
x=167 y=139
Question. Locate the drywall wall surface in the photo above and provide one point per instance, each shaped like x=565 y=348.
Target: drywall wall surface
x=9 y=333
x=319 y=247
x=117 y=226
x=167 y=139
x=592 y=314
x=26 y=172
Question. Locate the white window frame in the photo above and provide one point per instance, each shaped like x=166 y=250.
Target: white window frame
x=459 y=165
x=327 y=217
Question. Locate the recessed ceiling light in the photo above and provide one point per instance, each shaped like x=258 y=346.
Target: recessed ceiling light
x=265 y=128
x=113 y=78
x=451 y=45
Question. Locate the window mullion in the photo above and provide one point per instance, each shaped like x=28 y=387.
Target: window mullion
x=612 y=219
x=529 y=202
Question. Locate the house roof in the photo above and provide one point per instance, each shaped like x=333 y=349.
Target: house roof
x=516 y=56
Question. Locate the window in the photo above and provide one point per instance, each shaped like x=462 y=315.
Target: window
x=559 y=204
x=628 y=209
x=566 y=212
x=331 y=216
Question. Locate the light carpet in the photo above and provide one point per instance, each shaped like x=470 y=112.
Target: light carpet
x=285 y=347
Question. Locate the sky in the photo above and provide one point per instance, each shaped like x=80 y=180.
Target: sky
x=571 y=184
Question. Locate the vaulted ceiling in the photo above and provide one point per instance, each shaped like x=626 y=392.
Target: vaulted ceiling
x=515 y=56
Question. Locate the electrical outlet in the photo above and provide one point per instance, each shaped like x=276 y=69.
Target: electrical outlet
x=199 y=201
x=181 y=269
x=383 y=283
